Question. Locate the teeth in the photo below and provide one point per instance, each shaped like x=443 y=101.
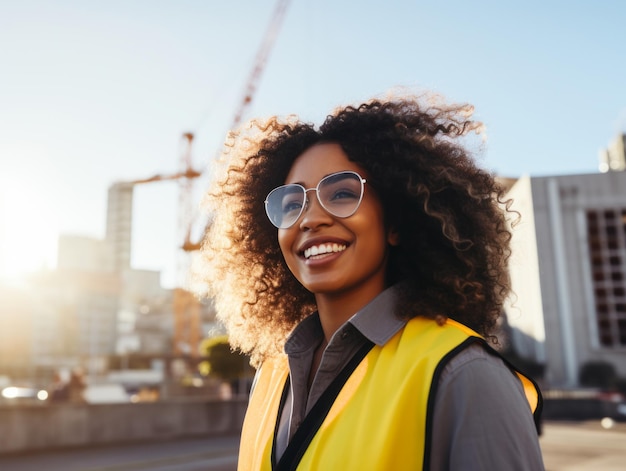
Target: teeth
x=323 y=249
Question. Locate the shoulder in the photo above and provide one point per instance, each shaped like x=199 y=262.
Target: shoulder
x=475 y=356
x=477 y=369
x=478 y=395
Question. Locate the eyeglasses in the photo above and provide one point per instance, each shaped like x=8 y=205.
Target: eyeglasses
x=340 y=194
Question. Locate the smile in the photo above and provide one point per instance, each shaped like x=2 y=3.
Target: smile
x=323 y=249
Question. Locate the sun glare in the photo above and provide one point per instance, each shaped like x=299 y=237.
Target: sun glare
x=28 y=230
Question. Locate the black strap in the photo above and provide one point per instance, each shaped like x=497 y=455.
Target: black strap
x=430 y=408
x=281 y=407
x=314 y=419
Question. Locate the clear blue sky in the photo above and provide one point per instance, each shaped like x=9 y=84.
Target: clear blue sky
x=92 y=92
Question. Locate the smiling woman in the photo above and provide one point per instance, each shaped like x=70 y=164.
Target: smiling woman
x=370 y=293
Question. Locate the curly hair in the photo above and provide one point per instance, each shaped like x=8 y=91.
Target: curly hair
x=450 y=216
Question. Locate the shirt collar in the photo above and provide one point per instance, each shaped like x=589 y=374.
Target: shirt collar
x=305 y=336
x=377 y=321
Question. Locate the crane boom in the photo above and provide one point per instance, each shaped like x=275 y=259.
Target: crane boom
x=261 y=59
x=187 y=173
x=185 y=306
x=250 y=89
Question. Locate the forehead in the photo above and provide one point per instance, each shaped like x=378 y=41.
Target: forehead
x=318 y=161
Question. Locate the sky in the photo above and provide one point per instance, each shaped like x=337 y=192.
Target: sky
x=93 y=92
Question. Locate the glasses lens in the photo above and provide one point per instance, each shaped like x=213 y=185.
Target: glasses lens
x=340 y=194
x=284 y=205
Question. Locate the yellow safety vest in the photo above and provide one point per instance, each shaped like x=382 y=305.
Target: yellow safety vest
x=391 y=387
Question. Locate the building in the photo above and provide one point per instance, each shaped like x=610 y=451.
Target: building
x=613 y=158
x=77 y=318
x=84 y=254
x=568 y=271
x=89 y=309
x=119 y=223
x=156 y=330
x=94 y=306
x=16 y=332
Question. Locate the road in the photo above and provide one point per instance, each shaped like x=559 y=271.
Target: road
x=192 y=454
x=584 y=447
x=566 y=447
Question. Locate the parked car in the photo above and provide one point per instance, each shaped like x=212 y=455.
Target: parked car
x=105 y=393
x=23 y=394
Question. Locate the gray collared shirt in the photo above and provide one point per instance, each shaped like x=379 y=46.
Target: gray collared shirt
x=481 y=417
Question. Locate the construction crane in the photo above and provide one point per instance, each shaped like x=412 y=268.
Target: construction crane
x=260 y=61
x=185 y=177
x=185 y=305
x=187 y=173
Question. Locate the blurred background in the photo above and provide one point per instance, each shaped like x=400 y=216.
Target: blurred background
x=111 y=114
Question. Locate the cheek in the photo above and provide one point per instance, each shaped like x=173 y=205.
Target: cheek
x=285 y=241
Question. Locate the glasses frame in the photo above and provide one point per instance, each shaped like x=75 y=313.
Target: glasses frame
x=317 y=195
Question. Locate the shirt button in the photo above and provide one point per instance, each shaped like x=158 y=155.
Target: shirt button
x=345 y=334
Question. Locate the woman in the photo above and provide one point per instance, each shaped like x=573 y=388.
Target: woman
x=363 y=267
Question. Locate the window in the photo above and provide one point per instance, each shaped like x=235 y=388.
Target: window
x=606 y=236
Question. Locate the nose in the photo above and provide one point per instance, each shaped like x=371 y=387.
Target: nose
x=314 y=215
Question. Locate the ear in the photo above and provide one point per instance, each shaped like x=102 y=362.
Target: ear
x=393 y=237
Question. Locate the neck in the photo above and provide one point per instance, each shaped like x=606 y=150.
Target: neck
x=336 y=308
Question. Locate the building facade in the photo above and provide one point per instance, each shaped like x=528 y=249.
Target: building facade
x=119 y=223
x=568 y=271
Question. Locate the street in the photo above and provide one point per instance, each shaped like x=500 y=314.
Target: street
x=583 y=446
x=566 y=447
x=191 y=454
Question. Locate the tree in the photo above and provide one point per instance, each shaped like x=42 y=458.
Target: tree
x=221 y=360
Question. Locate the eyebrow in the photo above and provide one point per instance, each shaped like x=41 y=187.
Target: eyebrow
x=327 y=175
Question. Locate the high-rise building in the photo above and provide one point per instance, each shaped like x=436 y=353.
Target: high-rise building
x=94 y=305
x=76 y=313
x=568 y=271
x=119 y=223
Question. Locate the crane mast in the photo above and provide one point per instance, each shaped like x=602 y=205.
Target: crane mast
x=187 y=325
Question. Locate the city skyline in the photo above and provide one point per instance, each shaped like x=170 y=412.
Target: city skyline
x=93 y=94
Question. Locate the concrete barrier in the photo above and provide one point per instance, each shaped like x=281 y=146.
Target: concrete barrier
x=26 y=428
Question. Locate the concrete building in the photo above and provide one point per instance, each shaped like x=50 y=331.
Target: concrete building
x=86 y=254
x=95 y=306
x=58 y=320
x=77 y=318
x=79 y=314
x=568 y=271
x=16 y=332
x=155 y=325
x=140 y=289
x=119 y=223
